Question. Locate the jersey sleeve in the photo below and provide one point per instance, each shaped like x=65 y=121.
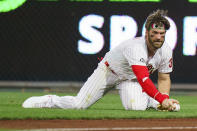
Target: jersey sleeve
x=135 y=56
x=166 y=65
x=146 y=83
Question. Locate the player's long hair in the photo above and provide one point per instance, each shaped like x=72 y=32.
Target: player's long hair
x=157 y=17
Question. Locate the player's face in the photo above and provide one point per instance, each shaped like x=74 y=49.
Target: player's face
x=156 y=37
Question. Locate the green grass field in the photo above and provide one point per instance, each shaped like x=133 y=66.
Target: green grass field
x=109 y=107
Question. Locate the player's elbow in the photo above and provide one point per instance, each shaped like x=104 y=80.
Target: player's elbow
x=142 y=79
x=141 y=72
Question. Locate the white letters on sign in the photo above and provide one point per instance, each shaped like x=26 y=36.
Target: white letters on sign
x=190 y=35
x=123 y=27
x=95 y=39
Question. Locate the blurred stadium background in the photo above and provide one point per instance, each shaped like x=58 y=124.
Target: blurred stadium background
x=55 y=44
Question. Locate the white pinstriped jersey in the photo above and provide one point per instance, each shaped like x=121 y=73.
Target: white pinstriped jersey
x=134 y=52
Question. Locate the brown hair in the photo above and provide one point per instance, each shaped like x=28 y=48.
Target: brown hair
x=157 y=16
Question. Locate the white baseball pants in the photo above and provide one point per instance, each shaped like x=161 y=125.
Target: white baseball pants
x=101 y=81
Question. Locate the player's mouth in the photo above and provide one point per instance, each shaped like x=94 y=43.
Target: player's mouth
x=158 y=44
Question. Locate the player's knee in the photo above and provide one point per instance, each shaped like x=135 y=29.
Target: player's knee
x=139 y=108
x=136 y=107
x=79 y=106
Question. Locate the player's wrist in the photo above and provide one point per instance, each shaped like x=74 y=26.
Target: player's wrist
x=166 y=95
x=161 y=97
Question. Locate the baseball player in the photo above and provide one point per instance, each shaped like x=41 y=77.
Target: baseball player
x=127 y=68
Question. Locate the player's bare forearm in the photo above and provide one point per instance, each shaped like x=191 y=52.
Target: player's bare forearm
x=164 y=83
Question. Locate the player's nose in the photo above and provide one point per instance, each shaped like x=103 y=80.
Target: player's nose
x=158 y=36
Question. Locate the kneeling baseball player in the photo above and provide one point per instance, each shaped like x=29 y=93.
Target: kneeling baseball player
x=127 y=68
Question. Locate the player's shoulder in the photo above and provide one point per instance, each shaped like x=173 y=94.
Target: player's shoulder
x=166 y=48
x=136 y=39
x=135 y=42
x=135 y=46
x=166 y=51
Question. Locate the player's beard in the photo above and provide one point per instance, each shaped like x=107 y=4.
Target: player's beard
x=155 y=44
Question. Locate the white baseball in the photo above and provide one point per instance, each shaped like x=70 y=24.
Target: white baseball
x=177 y=107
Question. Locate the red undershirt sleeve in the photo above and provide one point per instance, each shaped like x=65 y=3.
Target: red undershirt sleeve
x=146 y=83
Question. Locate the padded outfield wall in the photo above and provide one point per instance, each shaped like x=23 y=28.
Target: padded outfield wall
x=60 y=40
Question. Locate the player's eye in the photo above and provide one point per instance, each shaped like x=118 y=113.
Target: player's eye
x=154 y=26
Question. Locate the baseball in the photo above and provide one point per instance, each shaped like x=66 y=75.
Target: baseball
x=177 y=107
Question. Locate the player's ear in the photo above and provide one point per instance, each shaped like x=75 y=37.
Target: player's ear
x=146 y=32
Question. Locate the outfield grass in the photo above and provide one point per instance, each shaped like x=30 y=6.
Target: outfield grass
x=109 y=107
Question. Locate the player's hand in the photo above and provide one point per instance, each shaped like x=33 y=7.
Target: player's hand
x=169 y=104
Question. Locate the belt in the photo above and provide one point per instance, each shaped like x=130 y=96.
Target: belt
x=107 y=64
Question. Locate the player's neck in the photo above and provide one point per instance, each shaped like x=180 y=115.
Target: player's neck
x=151 y=53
